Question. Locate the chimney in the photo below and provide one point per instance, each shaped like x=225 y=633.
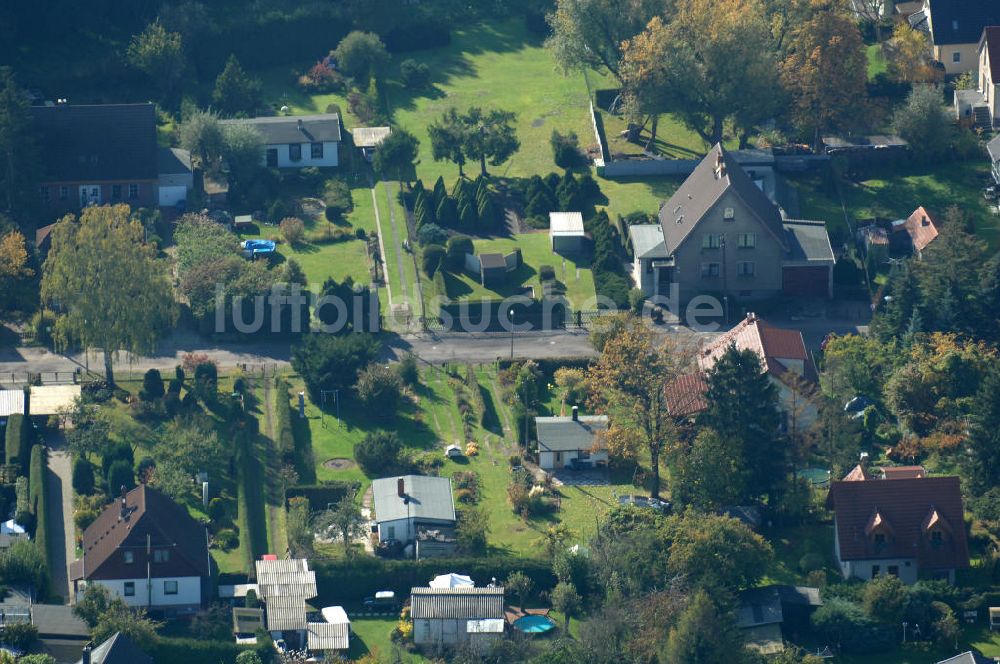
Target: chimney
x=576 y=414
x=124 y=502
x=300 y=124
x=400 y=488
x=924 y=221
x=751 y=317
x=85 y=655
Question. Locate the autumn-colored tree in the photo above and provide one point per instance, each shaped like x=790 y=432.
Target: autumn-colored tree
x=110 y=289
x=910 y=56
x=826 y=71
x=712 y=61
x=14 y=257
x=629 y=381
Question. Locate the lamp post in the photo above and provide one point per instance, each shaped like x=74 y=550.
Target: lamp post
x=904 y=630
x=510 y=313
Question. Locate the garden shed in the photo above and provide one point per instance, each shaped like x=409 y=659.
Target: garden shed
x=566 y=232
x=492 y=269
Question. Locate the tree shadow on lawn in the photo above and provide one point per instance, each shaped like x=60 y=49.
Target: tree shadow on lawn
x=405 y=421
x=491 y=418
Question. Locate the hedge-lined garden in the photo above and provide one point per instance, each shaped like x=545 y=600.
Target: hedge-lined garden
x=38 y=498
x=250 y=494
x=18 y=439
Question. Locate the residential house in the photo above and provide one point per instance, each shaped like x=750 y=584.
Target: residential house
x=766 y=612
x=408 y=505
x=298 y=142
x=904 y=527
x=722 y=235
x=955 y=27
x=148 y=550
x=783 y=357
x=284 y=587
x=176 y=176
x=968 y=657
x=93 y=155
x=452 y=616
x=566 y=232
x=989 y=73
x=573 y=441
x=993 y=150
x=118 y=649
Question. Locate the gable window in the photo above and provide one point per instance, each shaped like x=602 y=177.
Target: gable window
x=128 y=557
x=709 y=270
x=161 y=556
x=129 y=589
x=879 y=540
x=937 y=539
x=710 y=241
x=169 y=587
x=316 y=150
x=956 y=56
x=746 y=240
x=133 y=192
x=116 y=192
x=745 y=268
x=45 y=194
x=729 y=214
x=295 y=152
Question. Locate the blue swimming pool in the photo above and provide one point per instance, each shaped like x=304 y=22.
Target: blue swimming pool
x=534 y=624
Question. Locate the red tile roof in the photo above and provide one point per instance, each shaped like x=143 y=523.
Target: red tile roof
x=857 y=474
x=147 y=513
x=905 y=511
x=921 y=228
x=902 y=472
x=686 y=395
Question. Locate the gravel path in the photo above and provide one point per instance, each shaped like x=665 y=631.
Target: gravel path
x=62 y=546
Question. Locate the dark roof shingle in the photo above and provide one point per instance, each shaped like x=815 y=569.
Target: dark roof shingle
x=97 y=143
x=118 y=649
x=961 y=21
x=280 y=130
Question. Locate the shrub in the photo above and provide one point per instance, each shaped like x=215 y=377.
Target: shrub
x=226 y=539
x=636 y=300
x=83 y=476
x=38 y=497
x=378 y=452
x=217 y=510
x=566 y=149
x=278 y=211
x=321 y=78
x=458 y=247
x=811 y=562
x=19 y=636
x=415 y=75
x=18 y=438
x=361 y=54
x=380 y=389
x=431 y=258
x=328 y=362
x=338 y=199
x=283 y=419
x=292 y=229
x=546 y=273
x=120 y=475
x=408 y=371
x=206 y=381
x=152 y=386
x=431 y=234
x=22 y=503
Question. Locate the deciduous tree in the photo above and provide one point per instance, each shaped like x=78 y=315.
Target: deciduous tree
x=108 y=285
x=361 y=55
x=925 y=123
x=346 y=519
x=203 y=136
x=448 y=139
x=396 y=154
x=703 y=635
x=159 y=54
x=566 y=600
x=490 y=136
x=910 y=55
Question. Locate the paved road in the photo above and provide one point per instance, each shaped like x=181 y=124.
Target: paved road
x=62 y=546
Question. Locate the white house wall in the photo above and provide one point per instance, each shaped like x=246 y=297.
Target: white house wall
x=188 y=591
x=330 y=156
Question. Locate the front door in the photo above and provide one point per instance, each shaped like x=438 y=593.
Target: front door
x=272 y=157
x=90 y=194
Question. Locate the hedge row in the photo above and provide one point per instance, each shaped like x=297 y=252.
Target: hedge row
x=548 y=366
x=38 y=498
x=340 y=582
x=183 y=651
x=283 y=420
x=18 y=439
x=321 y=495
x=250 y=498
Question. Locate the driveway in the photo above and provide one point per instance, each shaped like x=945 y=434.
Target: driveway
x=61 y=531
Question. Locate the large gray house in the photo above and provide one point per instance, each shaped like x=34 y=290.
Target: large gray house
x=722 y=235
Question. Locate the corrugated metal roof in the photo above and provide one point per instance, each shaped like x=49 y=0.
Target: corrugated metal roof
x=369 y=137
x=327 y=636
x=426 y=498
x=11 y=401
x=468 y=603
x=285 y=578
x=285 y=613
x=560 y=434
x=566 y=223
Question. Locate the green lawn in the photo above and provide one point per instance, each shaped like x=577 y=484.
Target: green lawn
x=573 y=272
x=373 y=635
x=897 y=196
x=877 y=64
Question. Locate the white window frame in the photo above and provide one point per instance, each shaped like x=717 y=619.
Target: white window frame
x=128 y=557
x=315 y=148
x=128 y=589
x=746 y=269
x=133 y=192
x=729 y=214
x=707 y=270
x=167 y=585
x=746 y=241
x=296 y=147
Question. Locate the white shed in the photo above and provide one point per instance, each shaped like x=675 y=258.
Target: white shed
x=566 y=231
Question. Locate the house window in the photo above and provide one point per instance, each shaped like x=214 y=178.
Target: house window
x=956 y=56
x=710 y=241
x=894 y=570
x=295 y=152
x=161 y=556
x=709 y=270
x=937 y=539
x=128 y=557
x=63 y=193
x=133 y=192
x=169 y=587
x=745 y=268
x=879 y=541
x=272 y=158
x=316 y=150
x=45 y=193
x=729 y=214
x=129 y=589
x=116 y=192
x=875 y=570
x=746 y=240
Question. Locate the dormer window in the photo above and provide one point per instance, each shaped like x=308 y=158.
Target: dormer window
x=729 y=214
x=128 y=557
x=161 y=555
x=879 y=541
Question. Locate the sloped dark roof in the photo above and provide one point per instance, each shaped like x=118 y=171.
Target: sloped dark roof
x=451 y=603
x=118 y=649
x=967 y=657
x=319 y=128
x=147 y=512
x=96 y=143
x=717 y=174
x=906 y=507
x=173 y=161
x=961 y=21
x=991 y=39
x=492 y=261
x=562 y=434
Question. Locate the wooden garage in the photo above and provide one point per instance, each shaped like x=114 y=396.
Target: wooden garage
x=811 y=281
